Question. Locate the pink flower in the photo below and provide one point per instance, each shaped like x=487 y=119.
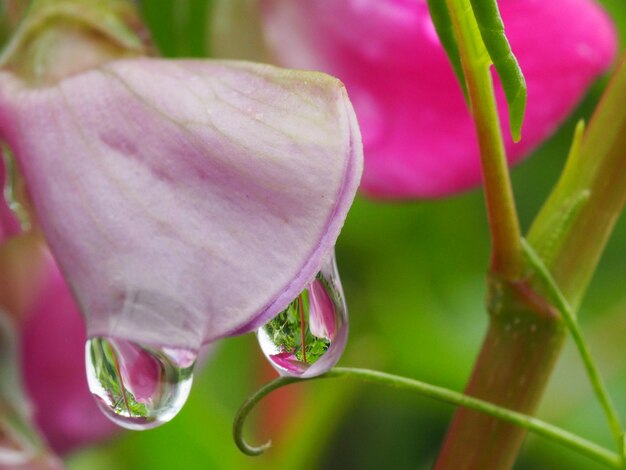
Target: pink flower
x=183 y=200
x=53 y=349
x=418 y=136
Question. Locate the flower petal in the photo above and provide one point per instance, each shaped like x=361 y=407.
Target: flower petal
x=53 y=347
x=418 y=136
x=185 y=200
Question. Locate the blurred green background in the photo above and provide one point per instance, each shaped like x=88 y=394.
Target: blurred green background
x=413 y=274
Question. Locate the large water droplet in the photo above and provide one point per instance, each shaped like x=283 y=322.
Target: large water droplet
x=307 y=338
x=137 y=386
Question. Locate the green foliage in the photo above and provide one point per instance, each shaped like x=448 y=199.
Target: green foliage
x=443 y=25
x=492 y=32
x=497 y=45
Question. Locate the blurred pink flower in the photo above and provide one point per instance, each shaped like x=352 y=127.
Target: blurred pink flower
x=53 y=351
x=418 y=137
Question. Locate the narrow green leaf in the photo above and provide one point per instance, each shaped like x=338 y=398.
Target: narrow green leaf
x=513 y=82
x=551 y=227
x=443 y=25
x=560 y=223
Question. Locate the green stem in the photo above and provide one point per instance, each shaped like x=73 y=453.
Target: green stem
x=541 y=428
x=507 y=259
x=575 y=223
x=302 y=329
x=570 y=320
x=515 y=362
x=525 y=335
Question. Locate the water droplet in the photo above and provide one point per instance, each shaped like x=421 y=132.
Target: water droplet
x=135 y=385
x=307 y=338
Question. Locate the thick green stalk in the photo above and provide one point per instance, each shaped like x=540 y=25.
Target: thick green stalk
x=522 y=345
x=569 y=316
x=569 y=234
x=573 y=227
x=525 y=333
x=507 y=260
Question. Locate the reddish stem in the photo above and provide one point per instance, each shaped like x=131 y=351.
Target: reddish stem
x=122 y=386
x=302 y=328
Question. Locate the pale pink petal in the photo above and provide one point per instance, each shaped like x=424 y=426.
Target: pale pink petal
x=53 y=349
x=322 y=318
x=418 y=136
x=289 y=362
x=185 y=200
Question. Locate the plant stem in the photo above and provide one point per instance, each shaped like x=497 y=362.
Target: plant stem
x=569 y=234
x=574 y=225
x=512 y=370
x=570 y=319
x=302 y=329
x=541 y=428
x=525 y=333
x=507 y=259
x=596 y=170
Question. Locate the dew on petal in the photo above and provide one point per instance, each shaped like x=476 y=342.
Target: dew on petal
x=307 y=338
x=135 y=385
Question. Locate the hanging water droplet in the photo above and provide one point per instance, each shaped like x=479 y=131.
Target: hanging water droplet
x=137 y=386
x=307 y=338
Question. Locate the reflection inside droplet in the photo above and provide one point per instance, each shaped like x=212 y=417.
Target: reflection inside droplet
x=307 y=338
x=135 y=385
